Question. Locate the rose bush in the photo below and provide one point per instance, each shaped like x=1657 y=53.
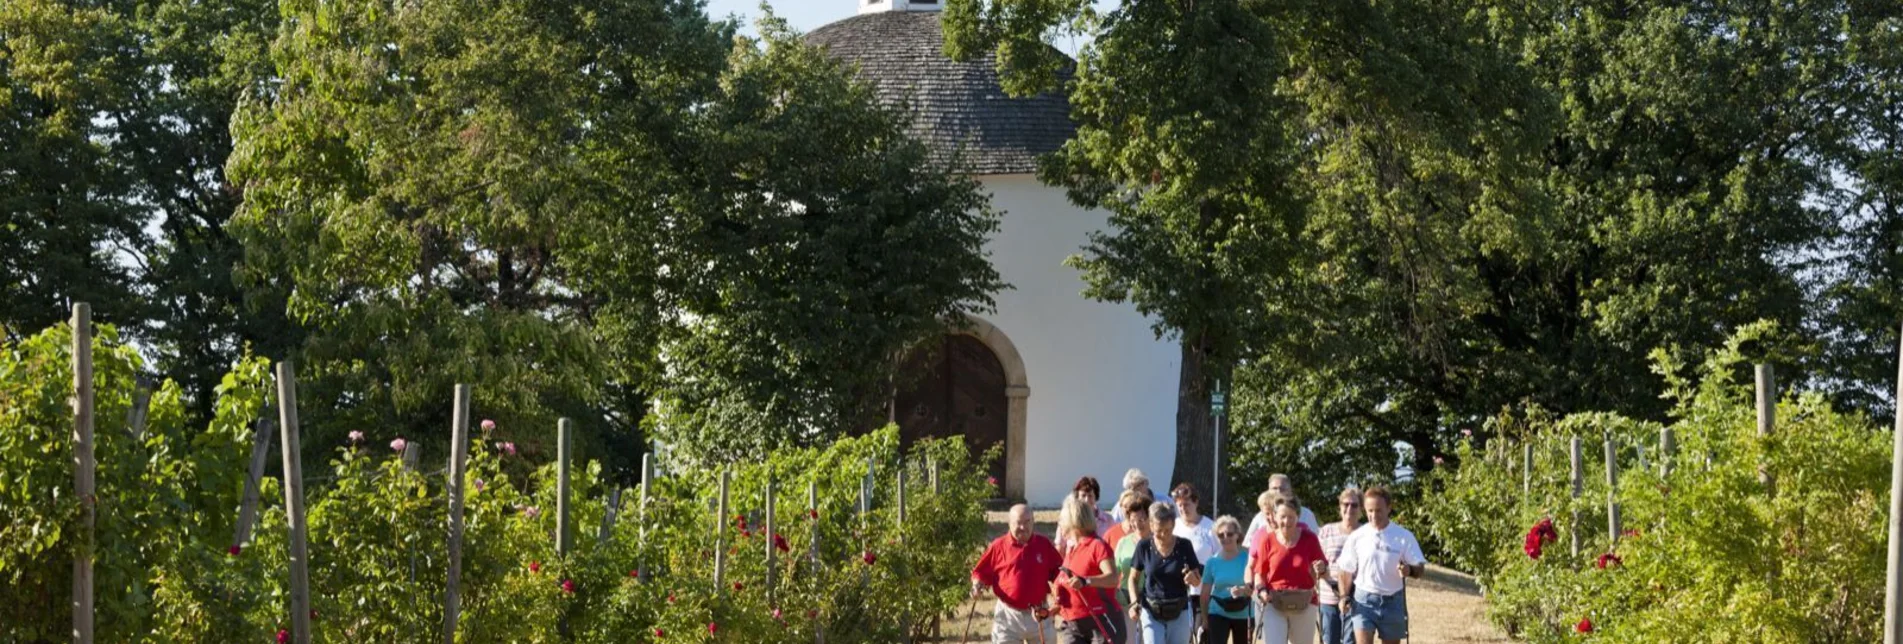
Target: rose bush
x=168 y=571
x=1708 y=554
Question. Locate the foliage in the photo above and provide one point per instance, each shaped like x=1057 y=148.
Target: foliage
x=609 y=207
x=117 y=117
x=820 y=243
x=377 y=547
x=1397 y=219
x=1705 y=539
x=166 y=498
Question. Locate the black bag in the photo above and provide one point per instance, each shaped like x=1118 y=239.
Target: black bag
x=1164 y=610
x=1233 y=604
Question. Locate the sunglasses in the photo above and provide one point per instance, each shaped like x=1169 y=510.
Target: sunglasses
x=1227 y=535
x=1351 y=505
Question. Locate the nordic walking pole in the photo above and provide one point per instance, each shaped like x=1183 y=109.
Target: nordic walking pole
x=970 y=617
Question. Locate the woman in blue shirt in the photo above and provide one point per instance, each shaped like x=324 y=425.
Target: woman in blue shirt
x=1225 y=582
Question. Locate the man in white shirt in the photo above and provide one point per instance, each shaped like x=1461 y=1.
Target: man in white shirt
x=1371 y=572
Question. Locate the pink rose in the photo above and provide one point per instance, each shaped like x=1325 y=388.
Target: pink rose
x=568 y=586
x=1467 y=432
x=356 y=436
x=283 y=636
x=531 y=511
x=712 y=628
x=507 y=448
x=479 y=485
x=488 y=425
x=398 y=445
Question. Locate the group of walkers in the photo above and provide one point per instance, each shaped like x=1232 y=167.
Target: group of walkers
x=1162 y=572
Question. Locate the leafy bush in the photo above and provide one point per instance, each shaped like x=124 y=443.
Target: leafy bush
x=378 y=546
x=1709 y=553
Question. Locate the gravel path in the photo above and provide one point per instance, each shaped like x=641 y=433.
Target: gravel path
x=1446 y=605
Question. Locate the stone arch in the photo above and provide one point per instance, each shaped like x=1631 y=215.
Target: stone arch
x=1017 y=391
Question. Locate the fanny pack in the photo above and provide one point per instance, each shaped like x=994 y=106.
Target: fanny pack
x=1292 y=600
x=1165 y=610
x=1232 y=604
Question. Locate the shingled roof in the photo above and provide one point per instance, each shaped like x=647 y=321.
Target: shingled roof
x=957 y=107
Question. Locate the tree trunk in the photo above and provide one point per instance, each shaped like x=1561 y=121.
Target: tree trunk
x=1195 y=436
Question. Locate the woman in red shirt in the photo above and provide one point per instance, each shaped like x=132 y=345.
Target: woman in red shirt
x=1286 y=572
x=1087 y=613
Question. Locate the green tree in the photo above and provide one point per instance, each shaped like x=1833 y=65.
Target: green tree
x=1866 y=298
x=820 y=243
x=1272 y=170
x=585 y=208
x=67 y=202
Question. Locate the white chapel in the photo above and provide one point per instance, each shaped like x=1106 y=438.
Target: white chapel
x=1068 y=385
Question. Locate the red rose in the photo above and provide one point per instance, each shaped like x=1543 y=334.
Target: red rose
x=1609 y=559
x=868 y=558
x=813 y=513
x=568 y=586
x=712 y=628
x=1584 y=625
x=1538 y=536
x=670 y=598
x=283 y=636
x=636 y=573
x=1632 y=533
x=233 y=551
x=658 y=633
x=535 y=567
x=780 y=544
x=737 y=586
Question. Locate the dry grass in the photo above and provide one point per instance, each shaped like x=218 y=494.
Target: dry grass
x=1445 y=605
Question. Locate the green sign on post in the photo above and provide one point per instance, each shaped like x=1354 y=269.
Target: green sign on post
x=1218 y=401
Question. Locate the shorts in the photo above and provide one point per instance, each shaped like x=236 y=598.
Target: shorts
x=1384 y=615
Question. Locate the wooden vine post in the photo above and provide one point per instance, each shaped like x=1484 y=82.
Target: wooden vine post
x=1579 y=484
x=1668 y=449
x=84 y=466
x=1526 y=471
x=248 y=509
x=1767 y=416
x=1893 y=588
x=564 y=453
x=720 y=522
x=767 y=525
x=458 y=470
x=294 y=504
x=1612 y=489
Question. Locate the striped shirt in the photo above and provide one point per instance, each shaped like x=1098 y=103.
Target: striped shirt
x=1333 y=537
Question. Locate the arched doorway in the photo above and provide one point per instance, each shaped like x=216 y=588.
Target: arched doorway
x=972 y=384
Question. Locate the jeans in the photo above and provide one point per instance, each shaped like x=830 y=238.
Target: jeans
x=1175 y=631
x=1335 y=627
x=1383 y=615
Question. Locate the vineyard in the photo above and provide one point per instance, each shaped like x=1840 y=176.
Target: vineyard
x=687 y=557
x=1732 y=522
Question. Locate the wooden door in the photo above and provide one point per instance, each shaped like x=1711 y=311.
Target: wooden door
x=955 y=388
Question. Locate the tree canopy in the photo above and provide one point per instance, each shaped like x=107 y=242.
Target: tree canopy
x=1464 y=207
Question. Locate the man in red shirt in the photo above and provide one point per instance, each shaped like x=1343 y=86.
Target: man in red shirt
x=1019 y=568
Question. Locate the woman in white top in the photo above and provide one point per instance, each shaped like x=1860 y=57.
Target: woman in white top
x=1196 y=529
